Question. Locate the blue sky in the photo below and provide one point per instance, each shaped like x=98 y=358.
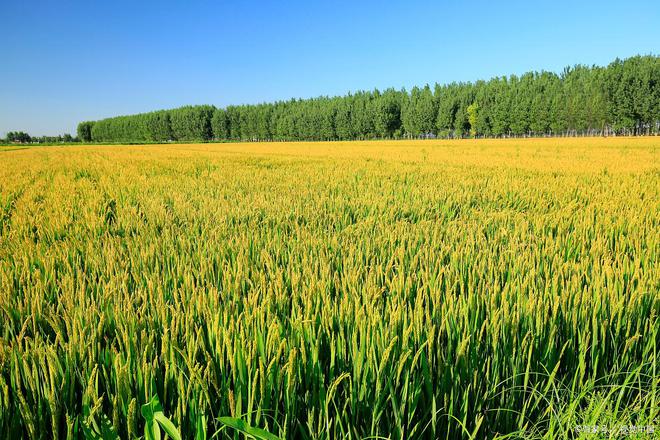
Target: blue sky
x=64 y=61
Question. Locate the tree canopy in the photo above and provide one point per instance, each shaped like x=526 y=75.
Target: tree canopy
x=622 y=98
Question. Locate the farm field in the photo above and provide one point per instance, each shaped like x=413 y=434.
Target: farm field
x=326 y=290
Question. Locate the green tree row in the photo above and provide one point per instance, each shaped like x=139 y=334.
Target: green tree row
x=622 y=98
x=21 y=137
x=190 y=123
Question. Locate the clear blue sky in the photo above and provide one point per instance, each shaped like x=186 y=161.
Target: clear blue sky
x=64 y=61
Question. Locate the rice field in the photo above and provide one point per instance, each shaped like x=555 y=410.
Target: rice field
x=402 y=290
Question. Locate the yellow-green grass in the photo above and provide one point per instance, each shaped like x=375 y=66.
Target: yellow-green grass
x=422 y=289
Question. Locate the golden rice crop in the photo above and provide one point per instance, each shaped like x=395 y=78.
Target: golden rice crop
x=425 y=289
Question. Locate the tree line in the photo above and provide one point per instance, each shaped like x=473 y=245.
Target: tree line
x=622 y=98
x=21 y=137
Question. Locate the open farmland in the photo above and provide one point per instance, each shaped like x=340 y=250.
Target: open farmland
x=422 y=289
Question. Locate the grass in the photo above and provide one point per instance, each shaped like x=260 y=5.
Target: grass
x=424 y=289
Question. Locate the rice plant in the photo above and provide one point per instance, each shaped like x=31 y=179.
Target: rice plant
x=431 y=289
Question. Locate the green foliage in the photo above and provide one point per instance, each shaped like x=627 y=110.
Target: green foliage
x=192 y=123
x=97 y=430
x=386 y=113
x=241 y=426
x=418 y=114
x=157 y=126
x=182 y=124
x=220 y=124
x=623 y=98
x=85 y=131
x=154 y=420
x=473 y=111
x=18 y=137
